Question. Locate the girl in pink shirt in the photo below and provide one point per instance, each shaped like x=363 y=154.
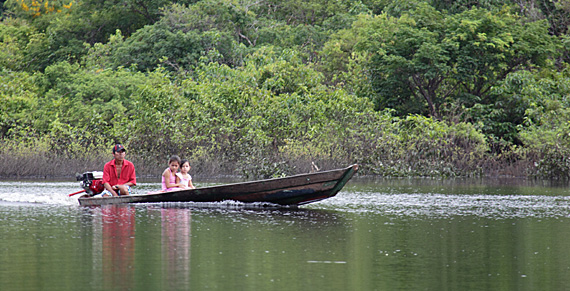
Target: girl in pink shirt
x=169 y=179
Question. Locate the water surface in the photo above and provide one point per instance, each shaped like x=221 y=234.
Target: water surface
x=381 y=234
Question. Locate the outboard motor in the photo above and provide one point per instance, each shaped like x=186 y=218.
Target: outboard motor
x=91 y=182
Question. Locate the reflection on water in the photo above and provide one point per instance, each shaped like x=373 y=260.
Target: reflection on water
x=118 y=246
x=176 y=246
x=114 y=250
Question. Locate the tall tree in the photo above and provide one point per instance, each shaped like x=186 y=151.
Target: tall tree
x=439 y=59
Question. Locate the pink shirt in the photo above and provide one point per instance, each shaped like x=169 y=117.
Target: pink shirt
x=172 y=181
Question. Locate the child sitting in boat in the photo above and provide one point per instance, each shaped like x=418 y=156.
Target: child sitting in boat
x=170 y=181
x=185 y=178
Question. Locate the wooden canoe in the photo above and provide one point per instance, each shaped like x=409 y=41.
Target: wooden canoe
x=293 y=190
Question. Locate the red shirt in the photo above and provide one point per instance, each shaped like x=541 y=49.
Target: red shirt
x=127 y=173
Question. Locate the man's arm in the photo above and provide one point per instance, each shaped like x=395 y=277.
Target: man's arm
x=132 y=181
x=107 y=172
x=111 y=189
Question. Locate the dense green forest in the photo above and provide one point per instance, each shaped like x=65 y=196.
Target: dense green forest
x=263 y=88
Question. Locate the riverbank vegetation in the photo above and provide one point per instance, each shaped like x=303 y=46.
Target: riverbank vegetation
x=265 y=88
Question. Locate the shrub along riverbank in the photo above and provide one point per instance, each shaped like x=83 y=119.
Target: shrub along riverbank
x=226 y=124
x=382 y=144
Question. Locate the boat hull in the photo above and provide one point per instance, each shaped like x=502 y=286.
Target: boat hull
x=292 y=190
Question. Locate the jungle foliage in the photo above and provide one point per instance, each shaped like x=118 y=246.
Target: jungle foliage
x=264 y=88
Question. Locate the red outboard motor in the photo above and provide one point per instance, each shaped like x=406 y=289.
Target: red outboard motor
x=91 y=182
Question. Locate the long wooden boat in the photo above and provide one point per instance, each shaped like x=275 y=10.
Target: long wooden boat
x=293 y=190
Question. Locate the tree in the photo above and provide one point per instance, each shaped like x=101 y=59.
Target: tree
x=18 y=98
x=448 y=59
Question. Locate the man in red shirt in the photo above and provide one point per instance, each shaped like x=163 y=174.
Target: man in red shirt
x=118 y=174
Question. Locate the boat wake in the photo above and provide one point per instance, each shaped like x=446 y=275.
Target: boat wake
x=38 y=192
x=56 y=193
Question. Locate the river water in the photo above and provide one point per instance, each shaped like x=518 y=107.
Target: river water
x=376 y=234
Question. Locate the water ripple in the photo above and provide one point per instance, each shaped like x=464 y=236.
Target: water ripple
x=449 y=205
x=407 y=202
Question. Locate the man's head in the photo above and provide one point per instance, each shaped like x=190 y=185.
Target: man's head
x=119 y=152
x=119 y=148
